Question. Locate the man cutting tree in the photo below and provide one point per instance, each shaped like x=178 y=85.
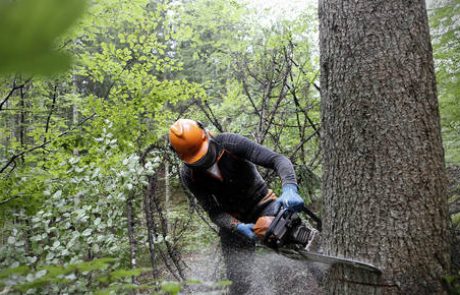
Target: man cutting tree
x=221 y=173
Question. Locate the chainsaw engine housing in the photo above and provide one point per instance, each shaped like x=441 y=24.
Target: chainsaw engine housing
x=286 y=228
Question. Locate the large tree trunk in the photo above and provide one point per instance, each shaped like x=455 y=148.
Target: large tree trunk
x=384 y=183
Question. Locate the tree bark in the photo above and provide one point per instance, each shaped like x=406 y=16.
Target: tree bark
x=149 y=221
x=384 y=184
x=22 y=121
x=167 y=191
x=132 y=234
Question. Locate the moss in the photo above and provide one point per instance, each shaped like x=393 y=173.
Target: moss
x=456 y=220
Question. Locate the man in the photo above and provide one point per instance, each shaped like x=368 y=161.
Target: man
x=221 y=173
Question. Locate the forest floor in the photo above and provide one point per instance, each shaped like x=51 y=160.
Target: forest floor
x=272 y=273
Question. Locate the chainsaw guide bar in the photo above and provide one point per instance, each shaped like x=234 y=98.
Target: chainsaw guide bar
x=326 y=259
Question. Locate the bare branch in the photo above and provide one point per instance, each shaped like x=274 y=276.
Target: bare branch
x=248 y=94
x=13 y=89
x=48 y=119
x=196 y=208
x=209 y=114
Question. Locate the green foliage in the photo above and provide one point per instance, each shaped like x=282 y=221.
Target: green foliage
x=224 y=283
x=53 y=277
x=228 y=47
x=446 y=35
x=208 y=34
x=28 y=32
x=20 y=270
x=456 y=220
x=83 y=213
x=76 y=139
x=172 y=288
x=453 y=284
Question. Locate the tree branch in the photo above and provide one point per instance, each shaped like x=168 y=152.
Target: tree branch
x=14 y=157
x=48 y=119
x=13 y=89
x=210 y=115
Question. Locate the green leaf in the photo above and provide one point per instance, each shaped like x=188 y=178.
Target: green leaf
x=171 y=287
x=97 y=264
x=20 y=270
x=28 y=31
x=224 y=283
x=123 y=273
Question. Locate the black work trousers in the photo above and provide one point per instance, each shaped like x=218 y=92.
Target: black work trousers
x=239 y=260
x=239 y=254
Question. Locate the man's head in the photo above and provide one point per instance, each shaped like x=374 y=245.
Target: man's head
x=192 y=143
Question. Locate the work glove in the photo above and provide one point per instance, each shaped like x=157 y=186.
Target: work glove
x=290 y=198
x=247 y=230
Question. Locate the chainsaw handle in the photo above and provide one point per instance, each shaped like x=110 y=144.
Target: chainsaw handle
x=268 y=235
x=314 y=217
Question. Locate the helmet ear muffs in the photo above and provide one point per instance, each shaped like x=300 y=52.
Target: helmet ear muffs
x=203 y=127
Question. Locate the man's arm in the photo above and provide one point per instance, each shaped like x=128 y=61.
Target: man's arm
x=259 y=155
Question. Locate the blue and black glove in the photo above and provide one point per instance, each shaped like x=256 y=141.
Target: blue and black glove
x=247 y=230
x=290 y=198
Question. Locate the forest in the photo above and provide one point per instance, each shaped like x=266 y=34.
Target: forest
x=362 y=97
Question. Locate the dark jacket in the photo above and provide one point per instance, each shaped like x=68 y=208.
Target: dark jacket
x=232 y=199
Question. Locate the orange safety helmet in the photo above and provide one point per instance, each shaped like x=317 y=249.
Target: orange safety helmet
x=189 y=140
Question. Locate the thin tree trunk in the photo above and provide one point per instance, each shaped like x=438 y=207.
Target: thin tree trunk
x=167 y=191
x=27 y=235
x=172 y=250
x=132 y=234
x=149 y=221
x=50 y=114
x=384 y=184
x=22 y=121
x=74 y=112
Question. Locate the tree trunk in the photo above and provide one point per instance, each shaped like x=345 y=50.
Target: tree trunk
x=149 y=221
x=384 y=184
x=167 y=192
x=132 y=234
x=22 y=121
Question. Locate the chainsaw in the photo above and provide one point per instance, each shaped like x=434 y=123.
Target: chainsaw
x=289 y=235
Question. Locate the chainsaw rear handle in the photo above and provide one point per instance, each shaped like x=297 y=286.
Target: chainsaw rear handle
x=274 y=237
